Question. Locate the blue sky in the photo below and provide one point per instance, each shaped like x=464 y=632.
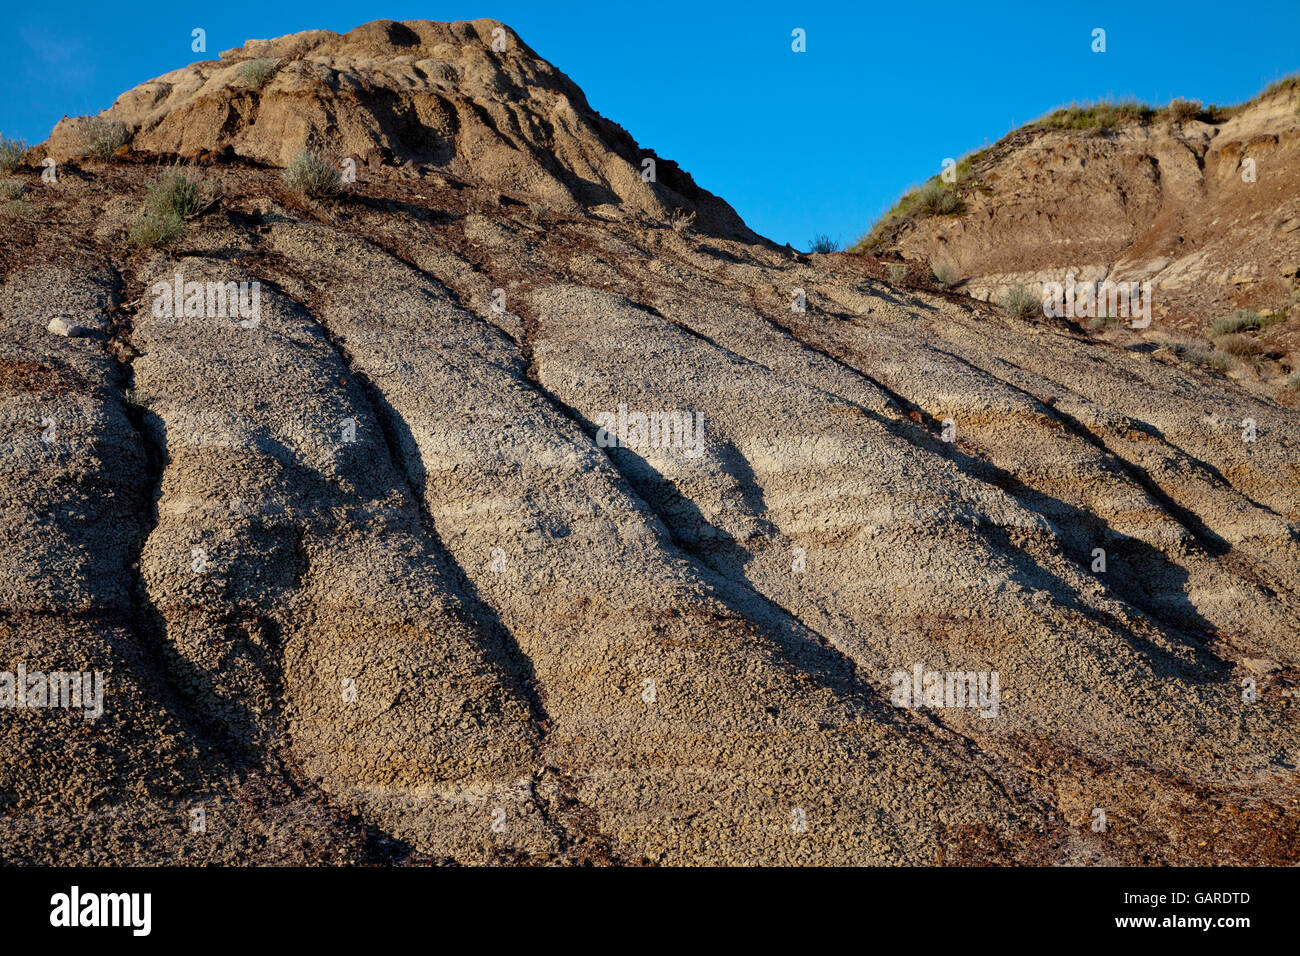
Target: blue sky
x=799 y=143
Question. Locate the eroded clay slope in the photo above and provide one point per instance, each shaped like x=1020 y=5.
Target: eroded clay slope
x=1206 y=209
x=368 y=582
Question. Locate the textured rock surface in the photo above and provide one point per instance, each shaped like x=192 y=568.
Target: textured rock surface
x=1207 y=212
x=367 y=584
x=470 y=98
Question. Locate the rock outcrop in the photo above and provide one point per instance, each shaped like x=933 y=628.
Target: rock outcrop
x=1205 y=207
x=392 y=568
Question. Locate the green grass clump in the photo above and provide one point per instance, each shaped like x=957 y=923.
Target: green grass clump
x=965 y=169
x=1208 y=359
x=156 y=228
x=12 y=188
x=897 y=273
x=13 y=209
x=1287 y=83
x=936 y=199
x=1218 y=114
x=1244 y=320
x=1104 y=115
x=179 y=195
x=1181 y=111
x=1294 y=380
x=933 y=198
x=11 y=153
x=944 y=275
x=101 y=138
x=311 y=176
x=257 y=73
x=1019 y=303
x=823 y=243
x=181 y=191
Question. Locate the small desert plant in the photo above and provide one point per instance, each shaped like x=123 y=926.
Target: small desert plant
x=1243 y=320
x=1240 y=345
x=11 y=188
x=11 y=153
x=681 y=221
x=311 y=176
x=897 y=273
x=934 y=198
x=101 y=137
x=257 y=73
x=823 y=243
x=1103 y=320
x=179 y=195
x=938 y=200
x=538 y=209
x=1286 y=83
x=1294 y=380
x=13 y=209
x=1209 y=360
x=944 y=275
x=1097 y=116
x=1181 y=110
x=182 y=192
x=1217 y=114
x=156 y=228
x=1020 y=303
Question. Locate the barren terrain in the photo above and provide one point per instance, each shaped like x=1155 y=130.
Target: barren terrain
x=368 y=586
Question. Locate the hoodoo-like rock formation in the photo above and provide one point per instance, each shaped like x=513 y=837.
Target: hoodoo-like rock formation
x=469 y=98
x=518 y=517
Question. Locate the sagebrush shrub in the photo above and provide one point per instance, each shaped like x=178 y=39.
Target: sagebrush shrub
x=938 y=200
x=156 y=228
x=257 y=73
x=181 y=191
x=1020 y=303
x=1243 y=320
x=101 y=137
x=311 y=176
x=11 y=153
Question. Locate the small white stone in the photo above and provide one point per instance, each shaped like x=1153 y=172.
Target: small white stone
x=61 y=326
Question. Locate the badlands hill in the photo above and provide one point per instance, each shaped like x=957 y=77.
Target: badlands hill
x=366 y=581
x=1202 y=202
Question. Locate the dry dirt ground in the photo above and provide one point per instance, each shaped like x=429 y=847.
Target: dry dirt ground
x=367 y=587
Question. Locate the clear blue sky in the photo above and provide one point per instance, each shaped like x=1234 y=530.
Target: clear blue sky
x=799 y=143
